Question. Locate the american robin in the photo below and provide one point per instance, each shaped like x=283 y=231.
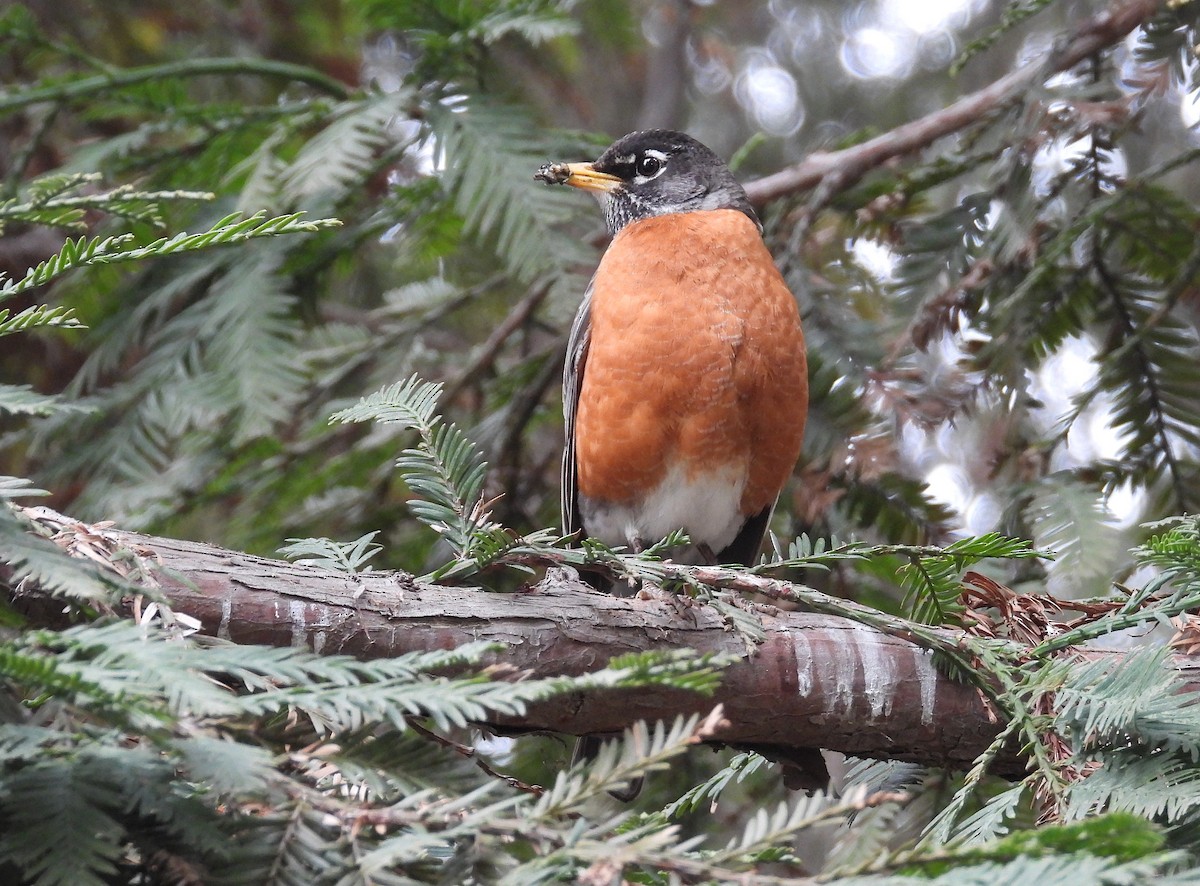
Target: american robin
x=686 y=389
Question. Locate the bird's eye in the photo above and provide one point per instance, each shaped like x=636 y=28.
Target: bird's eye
x=648 y=166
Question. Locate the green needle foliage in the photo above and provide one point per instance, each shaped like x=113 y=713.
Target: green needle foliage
x=237 y=771
x=97 y=251
x=207 y=257
x=446 y=472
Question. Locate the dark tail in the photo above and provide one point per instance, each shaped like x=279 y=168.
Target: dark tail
x=586 y=748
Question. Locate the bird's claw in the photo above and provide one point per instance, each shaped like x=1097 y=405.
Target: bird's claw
x=681 y=603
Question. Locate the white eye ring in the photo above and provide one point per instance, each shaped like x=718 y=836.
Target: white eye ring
x=649 y=166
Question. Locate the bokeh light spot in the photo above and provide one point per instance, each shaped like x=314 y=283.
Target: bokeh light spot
x=771 y=95
x=871 y=53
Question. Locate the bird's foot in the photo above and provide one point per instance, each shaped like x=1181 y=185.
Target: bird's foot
x=681 y=603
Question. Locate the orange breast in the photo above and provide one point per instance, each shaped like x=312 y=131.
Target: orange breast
x=696 y=358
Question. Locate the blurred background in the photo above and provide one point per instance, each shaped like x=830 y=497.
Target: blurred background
x=1002 y=326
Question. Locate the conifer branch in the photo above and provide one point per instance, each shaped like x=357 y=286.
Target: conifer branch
x=815 y=681
x=836 y=171
x=234 y=228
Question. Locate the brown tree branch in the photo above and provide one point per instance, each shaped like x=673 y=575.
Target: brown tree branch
x=838 y=170
x=666 y=64
x=486 y=354
x=817 y=680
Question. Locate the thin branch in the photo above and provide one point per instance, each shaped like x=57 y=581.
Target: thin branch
x=473 y=755
x=837 y=170
x=927 y=636
x=486 y=354
x=1145 y=369
x=519 y=412
x=201 y=67
x=1183 y=284
x=21 y=163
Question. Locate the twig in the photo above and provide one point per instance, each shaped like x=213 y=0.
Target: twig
x=472 y=754
x=951 y=643
x=445 y=818
x=520 y=410
x=488 y=351
x=76 y=89
x=1144 y=367
x=20 y=164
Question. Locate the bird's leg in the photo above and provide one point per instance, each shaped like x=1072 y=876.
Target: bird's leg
x=636 y=546
x=681 y=603
x=709 y=556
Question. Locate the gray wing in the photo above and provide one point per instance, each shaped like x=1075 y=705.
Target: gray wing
x=577 y=348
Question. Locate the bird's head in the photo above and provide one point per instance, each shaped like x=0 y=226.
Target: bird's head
x=653 y=172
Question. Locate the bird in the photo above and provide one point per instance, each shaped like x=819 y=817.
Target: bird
x=685 y=386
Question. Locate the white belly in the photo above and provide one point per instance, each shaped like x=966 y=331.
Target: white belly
x=706 y=507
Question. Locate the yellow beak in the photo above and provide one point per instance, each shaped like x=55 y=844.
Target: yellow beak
x=585 y=176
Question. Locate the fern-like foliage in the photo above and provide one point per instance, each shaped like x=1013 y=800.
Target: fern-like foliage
x=933 y=582
x=191 y=787
x=60 y=201
x=737 y=770
x=342 y=556
x=23 y=400
x=35 y=317
x=446 y=472
x=488 y=155
x=1069 y=519
x=1014 y=14
x=345 y=152
x=231 y=229
x=1134 y=733
x=451 y=35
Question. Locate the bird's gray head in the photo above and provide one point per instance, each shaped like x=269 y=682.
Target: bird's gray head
x=653 y=172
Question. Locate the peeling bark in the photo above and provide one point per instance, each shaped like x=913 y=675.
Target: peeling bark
x=817 y=681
